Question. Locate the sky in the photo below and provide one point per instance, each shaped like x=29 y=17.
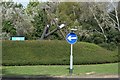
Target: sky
x=25 y=2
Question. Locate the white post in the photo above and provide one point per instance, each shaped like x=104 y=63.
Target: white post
x=71 y=60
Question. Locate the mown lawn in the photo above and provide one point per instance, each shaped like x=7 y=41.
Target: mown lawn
x=62 y=70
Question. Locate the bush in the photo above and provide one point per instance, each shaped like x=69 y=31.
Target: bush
x=109 y=46
x=53 y=53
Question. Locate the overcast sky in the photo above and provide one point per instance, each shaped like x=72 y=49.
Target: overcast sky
x=25 y=2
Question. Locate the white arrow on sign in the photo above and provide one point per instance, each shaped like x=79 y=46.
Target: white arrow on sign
x=70 y=38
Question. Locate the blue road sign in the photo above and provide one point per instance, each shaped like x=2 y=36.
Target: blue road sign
x=18 y=38
x=71 y=38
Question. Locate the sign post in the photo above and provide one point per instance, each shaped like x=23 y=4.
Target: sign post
x=71 y=39
x=71 y=60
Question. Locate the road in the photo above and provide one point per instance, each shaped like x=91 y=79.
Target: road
x=55 y=78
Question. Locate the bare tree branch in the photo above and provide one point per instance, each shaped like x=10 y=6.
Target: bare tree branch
x=98 y=23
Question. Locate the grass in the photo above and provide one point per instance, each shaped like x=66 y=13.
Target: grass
x=62 y=70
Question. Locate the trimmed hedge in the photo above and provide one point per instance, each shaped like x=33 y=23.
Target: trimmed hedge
x=53 y=53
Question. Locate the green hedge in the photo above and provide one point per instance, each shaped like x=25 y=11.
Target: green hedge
x=53 y=53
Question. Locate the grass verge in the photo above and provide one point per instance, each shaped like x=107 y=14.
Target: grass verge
x=61 y=70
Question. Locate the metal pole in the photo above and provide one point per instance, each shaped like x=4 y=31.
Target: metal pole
x=46 y=35
x=43 y=34
x=71 y=60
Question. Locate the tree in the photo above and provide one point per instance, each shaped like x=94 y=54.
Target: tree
x=104 y=18
x=14 y=16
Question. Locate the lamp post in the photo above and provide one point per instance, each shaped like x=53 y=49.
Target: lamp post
x=44 y=34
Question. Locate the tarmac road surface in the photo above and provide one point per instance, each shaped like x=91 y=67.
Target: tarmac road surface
x=52 y=78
